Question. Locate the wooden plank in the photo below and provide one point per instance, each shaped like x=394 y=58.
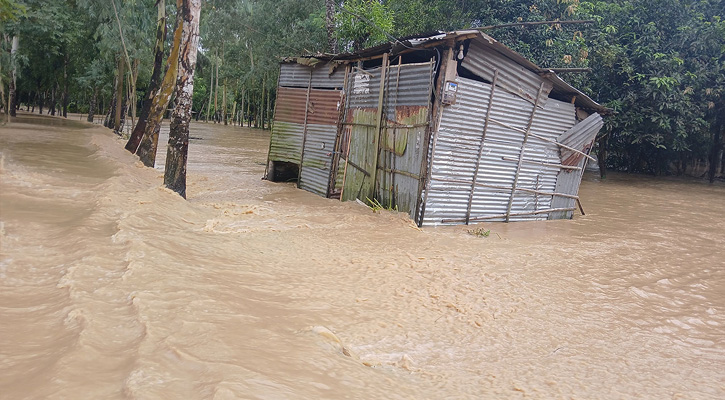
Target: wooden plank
x=562 y=166
x=519 y=214
x=378 y=122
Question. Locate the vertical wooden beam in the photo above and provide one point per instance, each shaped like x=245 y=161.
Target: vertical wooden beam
x=393 y=197
x=480 y=147
x=378 y=125
x=304 y=129
x=337 y=149
x=521 y=153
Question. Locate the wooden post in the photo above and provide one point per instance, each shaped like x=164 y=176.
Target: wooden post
x=304 y=129
x=480 y=147
x=378 y=125
x=335 y=159
x=521 y=153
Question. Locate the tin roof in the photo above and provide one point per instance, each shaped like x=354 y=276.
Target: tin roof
x=433 y=39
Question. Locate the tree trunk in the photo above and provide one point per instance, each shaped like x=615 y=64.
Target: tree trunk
x=261 y=103
x=177 y=150
x=140 y=128
x=224 y=102
x=216 y=94
x=53 y=100
x=330 y=25
x=119 y=94
x=714 y=154
x=65 y=86
x=41 y=98
x=211 y=91
x=149 y=143
x=234 y=112
x=108 y=121
x=13 y=102
x=241 y=109
x=92 y=106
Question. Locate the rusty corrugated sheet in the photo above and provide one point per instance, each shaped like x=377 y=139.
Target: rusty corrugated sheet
x=483 y=60
x=319 y=143
x=324 y=76
x=291 y=105
x=580 y=137
x=288 y=133
x=288 y=127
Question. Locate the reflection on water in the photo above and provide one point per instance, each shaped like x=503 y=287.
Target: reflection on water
x=113 y=287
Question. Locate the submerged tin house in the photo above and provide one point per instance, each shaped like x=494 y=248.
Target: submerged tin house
x=450 y=128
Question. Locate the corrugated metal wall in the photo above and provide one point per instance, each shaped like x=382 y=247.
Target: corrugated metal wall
x=459 y=137
x=401 y=144
x=312 y=124
x=322 y=116
x=580 y=137
x=298 y=75
x=361 y=113
x=287 y=131
x=483 y=60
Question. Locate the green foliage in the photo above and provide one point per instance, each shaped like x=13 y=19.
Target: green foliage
x=10 y=10
x=364 y=23
x=655 y=63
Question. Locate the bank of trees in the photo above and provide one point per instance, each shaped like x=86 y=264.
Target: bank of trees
x=659 y=65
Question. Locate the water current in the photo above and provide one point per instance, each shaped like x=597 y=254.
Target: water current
x=112 y=287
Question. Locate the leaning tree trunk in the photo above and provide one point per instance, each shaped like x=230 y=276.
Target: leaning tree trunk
x=177 y=150
x=13 y=77
x=147 y=148
x=138 y=131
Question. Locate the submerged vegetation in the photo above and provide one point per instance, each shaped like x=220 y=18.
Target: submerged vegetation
x=659 y=65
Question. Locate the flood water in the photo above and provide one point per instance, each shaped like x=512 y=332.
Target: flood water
x=113 y=287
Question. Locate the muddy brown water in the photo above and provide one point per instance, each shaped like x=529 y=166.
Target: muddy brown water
x=113 y=287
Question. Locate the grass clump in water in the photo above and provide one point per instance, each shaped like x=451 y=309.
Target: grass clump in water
x=376 y=206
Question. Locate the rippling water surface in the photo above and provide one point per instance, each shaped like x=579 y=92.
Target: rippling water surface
x=113 y=287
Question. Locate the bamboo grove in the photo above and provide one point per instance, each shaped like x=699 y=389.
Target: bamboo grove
x=659 y=65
